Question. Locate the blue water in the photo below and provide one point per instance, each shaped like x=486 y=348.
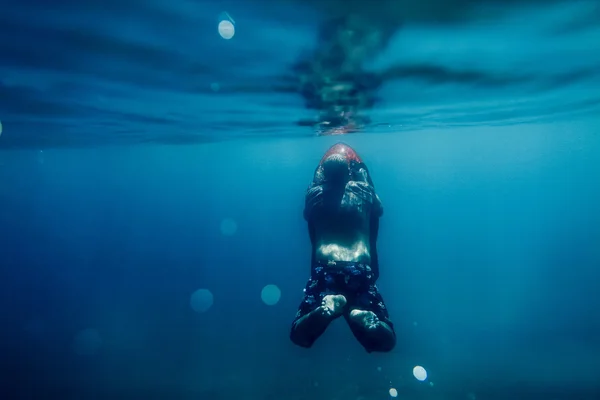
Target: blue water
x=133 y=135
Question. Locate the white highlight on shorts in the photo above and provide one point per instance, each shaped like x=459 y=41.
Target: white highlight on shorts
x=201 y=300
x=270 y=295
x=228 y=227
x=87 y=342
x=420 y=373
x=393 y=392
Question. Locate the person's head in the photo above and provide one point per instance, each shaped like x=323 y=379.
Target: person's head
x=339 y=165
x=335 y=169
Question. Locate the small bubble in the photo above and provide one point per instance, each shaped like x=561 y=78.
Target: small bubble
x=226 y=29
x=228 y=227
x=420 y=373
x=0 y=128
x=201 y=300
x=270 y=295
x=379 y=369
x=393 y=392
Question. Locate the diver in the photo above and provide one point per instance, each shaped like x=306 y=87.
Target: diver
x=343 y=211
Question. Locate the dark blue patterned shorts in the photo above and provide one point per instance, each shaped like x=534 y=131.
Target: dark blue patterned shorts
x=353 y=280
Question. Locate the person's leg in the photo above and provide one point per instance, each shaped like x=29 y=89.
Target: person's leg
x=317 y=310
x=369 y=321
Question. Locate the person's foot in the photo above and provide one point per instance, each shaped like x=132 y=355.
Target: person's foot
x=366 y=319
x=333 y=305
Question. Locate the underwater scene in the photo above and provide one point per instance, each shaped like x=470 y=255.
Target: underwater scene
x=300 y=199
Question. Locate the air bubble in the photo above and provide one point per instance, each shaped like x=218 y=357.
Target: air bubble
x=226 y=29
x=228 y=227
x=201 y=300
x=420 y=373
x=270 y=295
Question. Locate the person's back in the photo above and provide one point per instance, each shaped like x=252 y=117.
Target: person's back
x=341 y=234
x=343 y=210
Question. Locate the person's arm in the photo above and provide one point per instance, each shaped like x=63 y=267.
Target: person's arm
x=313 y=199
x=373 y=245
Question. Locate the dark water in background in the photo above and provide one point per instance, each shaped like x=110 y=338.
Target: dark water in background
x=483 y=145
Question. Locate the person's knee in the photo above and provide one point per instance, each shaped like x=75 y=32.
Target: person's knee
x=300 y=339
x=383 y=344
x=374 y=334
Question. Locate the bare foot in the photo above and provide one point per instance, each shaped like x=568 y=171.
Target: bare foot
x=366 y=319
x=333 y=305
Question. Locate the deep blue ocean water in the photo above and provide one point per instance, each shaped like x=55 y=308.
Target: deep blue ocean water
x=144 y=157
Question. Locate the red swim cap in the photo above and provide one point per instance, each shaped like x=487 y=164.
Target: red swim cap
x=344 y=150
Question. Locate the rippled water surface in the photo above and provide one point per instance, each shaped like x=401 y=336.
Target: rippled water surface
x=103 y=72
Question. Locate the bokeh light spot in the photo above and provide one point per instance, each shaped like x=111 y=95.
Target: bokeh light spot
x=420 y=373
x=270 y=295
x=226 y=29
x=87 y=342
x=393 y=392
x=201 y=300
x=228 y=227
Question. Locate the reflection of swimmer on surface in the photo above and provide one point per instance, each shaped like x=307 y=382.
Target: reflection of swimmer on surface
x=343 y=211
x=333 y=80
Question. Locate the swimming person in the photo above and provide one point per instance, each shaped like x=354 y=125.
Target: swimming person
x=343 y=211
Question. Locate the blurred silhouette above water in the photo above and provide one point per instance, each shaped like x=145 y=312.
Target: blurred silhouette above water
x=143 y=71
x=334 y=78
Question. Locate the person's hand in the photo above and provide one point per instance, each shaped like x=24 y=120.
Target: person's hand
x=362 y=190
